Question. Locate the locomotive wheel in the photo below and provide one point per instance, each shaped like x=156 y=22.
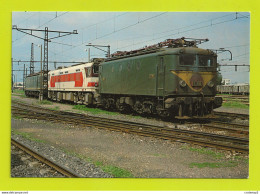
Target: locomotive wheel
x=163 y=113
x=106 y=104
x=119 y=106
x=138 y=107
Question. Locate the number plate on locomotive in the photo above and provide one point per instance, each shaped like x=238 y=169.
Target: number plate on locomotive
x=197 y=83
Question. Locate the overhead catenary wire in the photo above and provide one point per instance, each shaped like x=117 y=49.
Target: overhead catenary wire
x=212 y=19
x=24 y=20
x=89 y=26
x=41 y=26
x=139 y=22
x=237 y=56
x=235 y=46
x=103 y=21
x=197 y=28
x=52 y=19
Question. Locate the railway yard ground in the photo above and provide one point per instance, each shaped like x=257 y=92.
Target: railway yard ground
x=93 y=152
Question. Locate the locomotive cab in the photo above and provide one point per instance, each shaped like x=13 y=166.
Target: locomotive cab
x=194 y=76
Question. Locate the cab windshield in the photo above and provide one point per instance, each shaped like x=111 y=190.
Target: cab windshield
x=196 y=60
x=205 y=60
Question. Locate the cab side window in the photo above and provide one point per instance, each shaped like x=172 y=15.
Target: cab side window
x=95 y=70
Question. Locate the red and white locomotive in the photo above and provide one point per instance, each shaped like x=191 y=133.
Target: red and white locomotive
x=77 y=83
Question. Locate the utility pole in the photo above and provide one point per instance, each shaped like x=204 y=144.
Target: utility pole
x=12 y=77
x=32 y=60
x=46 y=39
x=23 y=75
x=14 y=82
x=41 y=89
x=89 y=55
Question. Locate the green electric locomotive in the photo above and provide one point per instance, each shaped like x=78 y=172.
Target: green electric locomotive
x=33 y=84
x=172 y=78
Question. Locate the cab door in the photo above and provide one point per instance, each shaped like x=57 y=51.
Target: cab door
x=160 y=82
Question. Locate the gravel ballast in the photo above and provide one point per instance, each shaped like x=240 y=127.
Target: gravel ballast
x=24 y=165
x=55 y=154
x=144 y=157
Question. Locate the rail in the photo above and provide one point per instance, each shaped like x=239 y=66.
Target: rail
x=194 y=137
x=43 y=159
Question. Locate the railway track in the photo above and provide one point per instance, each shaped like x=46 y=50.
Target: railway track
x=66 y=172
x=232 y=115
x=229 y=127
x=234 y=96
x=175 y=134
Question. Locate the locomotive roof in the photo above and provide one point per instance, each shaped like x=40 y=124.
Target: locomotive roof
x=73 y=67
x=187 y=50
x=168 y=51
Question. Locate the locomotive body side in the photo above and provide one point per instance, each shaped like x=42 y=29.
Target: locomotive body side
x=173 y=81
x=33 y=85
x=121 y=77
x=77 y=83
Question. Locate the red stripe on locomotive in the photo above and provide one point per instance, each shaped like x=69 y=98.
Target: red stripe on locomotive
x=77 y=77
x=92 y=84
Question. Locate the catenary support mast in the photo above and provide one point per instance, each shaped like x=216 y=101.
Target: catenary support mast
x=46 y=39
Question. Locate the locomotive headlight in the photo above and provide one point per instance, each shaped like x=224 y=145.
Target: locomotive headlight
x=210 y=84
x=182 y=83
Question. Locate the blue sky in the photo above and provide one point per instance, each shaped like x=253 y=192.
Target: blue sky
x=133 y=30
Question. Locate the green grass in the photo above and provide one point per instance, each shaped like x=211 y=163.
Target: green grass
x=240 y=158
x=230 y=163
x=20 y=95
x=17 y=100
x=16 y=117
x=160 y=155
x=45 y=102
x=207 y=152
x=235 y=105
x=18 y=91
x=55 y=108
x=94 y=110
x=29 y=136
x=213 y=164
x=115 y=171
